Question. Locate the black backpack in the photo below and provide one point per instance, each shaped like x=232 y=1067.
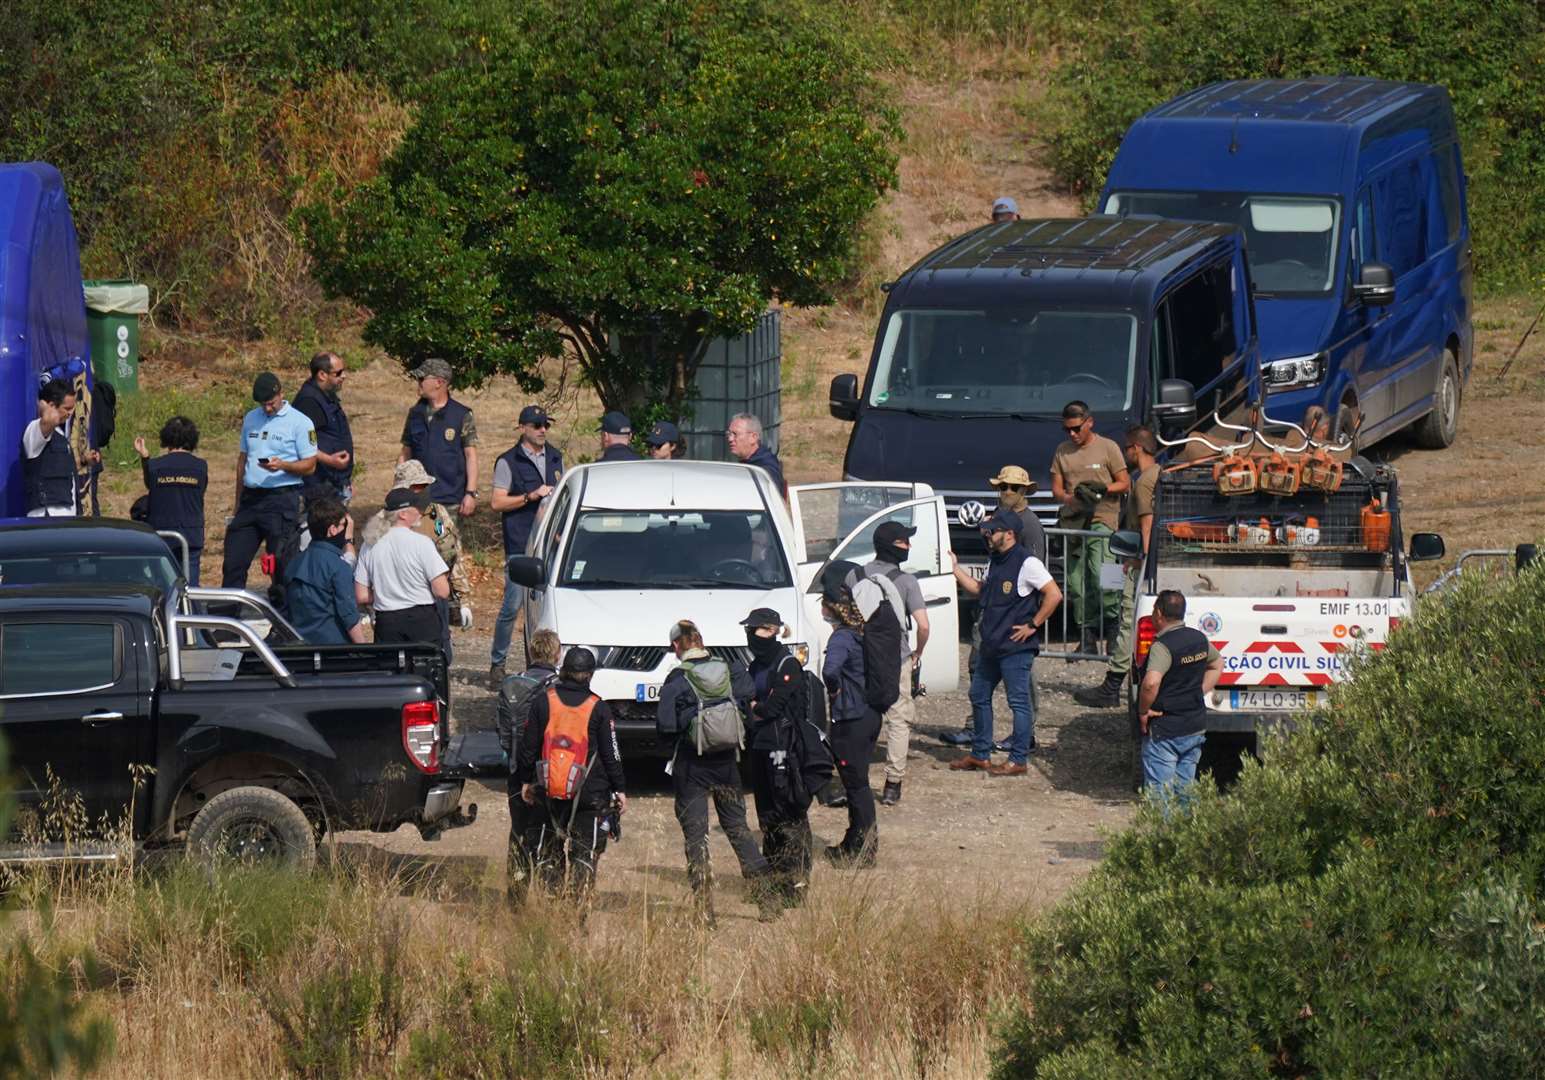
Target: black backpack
x=814 y=767
x=882 y=659
x=104 y=412
x=516 y=696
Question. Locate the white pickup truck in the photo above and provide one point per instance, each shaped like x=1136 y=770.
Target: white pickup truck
x=1287 y=588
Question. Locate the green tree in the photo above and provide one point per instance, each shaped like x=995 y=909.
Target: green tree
x=621 y=178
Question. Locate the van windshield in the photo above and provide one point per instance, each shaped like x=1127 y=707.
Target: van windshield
x=675 y=549
x=1291 y=239
x=1019 y=361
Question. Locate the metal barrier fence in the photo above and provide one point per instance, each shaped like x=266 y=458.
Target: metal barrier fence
x=1519 y=557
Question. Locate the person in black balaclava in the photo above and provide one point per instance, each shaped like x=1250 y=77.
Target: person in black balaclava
x=779 y=701
x=892 y=547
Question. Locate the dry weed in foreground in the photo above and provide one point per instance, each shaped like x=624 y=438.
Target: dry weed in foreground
x=352 y=972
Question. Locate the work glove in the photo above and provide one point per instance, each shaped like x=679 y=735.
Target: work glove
x=465 y=620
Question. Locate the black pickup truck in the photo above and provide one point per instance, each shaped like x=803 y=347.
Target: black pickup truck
x=254 y=749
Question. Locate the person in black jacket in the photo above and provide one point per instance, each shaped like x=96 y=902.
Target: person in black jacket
x=576 y=828
x=855 y=725
x=715 y=773
x=177 y=481
x=778 y=700
x=517 y=695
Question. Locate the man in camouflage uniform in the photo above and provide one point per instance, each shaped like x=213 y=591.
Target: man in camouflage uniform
x=440 y=527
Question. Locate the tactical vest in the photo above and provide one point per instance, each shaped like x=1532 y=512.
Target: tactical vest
x=436 y=444
x=50 y=477
x=1180 y=696
x=1003 y=608
x=177 y=486
x=333 y=437
x=518 y=523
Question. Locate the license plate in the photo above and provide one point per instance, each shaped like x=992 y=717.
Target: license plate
x=976 y=570
x=646 y=691
x=1273 y=700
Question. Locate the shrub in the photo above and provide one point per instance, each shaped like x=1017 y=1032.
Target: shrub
x=1131 y=57
x=1367 y=903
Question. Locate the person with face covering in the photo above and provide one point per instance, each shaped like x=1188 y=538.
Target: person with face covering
x=778 y=700
x=319 y=586
x=892 y=543
x=855 y=726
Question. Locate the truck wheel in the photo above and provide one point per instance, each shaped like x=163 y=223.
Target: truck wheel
x=1437 y=429
x=253 y=825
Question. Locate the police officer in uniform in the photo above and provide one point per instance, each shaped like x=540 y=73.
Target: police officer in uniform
x=616 y=438
x=1183 y=668
x=318 y=400
x=440 y=433
x=278 y=450
x=524 y=476
x=47 y=463
x=176 y=482
x=664 y=441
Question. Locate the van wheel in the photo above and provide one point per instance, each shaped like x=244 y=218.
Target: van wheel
x=1437 y=429
x=253 y=825
x=1346 y=422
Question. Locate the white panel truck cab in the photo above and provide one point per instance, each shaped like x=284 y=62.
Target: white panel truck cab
x=1290 y=554
x=625 y=549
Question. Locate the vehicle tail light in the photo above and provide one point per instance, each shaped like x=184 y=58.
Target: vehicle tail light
x=421 y=734
x=1145 y=639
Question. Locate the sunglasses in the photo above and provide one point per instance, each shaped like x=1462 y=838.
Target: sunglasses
x=544 y=425
x=1073 y=428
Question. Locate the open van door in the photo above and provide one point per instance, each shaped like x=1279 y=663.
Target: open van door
x=826 y=514
x=929 y=560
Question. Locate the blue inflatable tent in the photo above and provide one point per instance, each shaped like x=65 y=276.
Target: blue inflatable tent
x=42 y=308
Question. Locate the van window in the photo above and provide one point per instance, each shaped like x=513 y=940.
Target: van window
x=1024 y=360
x=1201 y=341
x=1402 y=235
x=1364 y=247
x=1446 y=164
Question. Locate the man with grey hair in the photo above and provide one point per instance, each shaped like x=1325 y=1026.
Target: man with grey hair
x=745 y=442
x=401 y=575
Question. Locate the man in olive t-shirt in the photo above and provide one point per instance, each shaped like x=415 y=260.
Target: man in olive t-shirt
x=1088 y=478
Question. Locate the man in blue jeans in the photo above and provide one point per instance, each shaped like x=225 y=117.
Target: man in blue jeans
x=1016 y=599
x=1183 y=667
x=524 y=475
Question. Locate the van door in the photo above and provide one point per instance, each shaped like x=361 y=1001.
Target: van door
x=1401 y=202
x=824 y=514
x=547 y=544
x=930 y=561
x=1356 y=344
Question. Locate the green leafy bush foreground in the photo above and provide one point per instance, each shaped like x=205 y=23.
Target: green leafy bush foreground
x=1130 y=57
x=1367 y=903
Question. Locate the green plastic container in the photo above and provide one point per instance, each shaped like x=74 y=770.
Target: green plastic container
x=113 y=309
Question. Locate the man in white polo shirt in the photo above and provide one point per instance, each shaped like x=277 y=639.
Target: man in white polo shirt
x=401 y=575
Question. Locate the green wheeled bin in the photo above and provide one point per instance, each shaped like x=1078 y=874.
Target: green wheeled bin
x=113 y=309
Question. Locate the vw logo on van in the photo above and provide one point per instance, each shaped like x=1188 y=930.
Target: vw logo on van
x=971 y=514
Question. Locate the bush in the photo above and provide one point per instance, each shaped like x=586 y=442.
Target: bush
x=1130 y=58
x=1368 y=903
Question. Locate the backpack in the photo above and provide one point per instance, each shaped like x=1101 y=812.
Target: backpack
x=808 y=744
x=882 y=659
x=516 y=696
x=718 y=724
x=104 y=412
x=565 y=747
x=891 y=575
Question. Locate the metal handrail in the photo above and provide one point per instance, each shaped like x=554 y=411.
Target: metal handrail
x=250 y=599
x=1256 y=436
x=1448 y=576
x=178 y=623
x=182 y=542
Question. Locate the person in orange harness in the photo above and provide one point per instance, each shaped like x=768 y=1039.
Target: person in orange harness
x=569 y=765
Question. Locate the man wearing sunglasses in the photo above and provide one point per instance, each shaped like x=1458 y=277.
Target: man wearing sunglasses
x=524 y=476
x=1088 y=478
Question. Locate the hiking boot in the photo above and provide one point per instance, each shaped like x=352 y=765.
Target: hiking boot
x=766 y=894
x=892 y=794
x=1008 y=768
x=957 y=738
x=496 y=676
x=847 y=859
x=969 y=762
x=1107 y=695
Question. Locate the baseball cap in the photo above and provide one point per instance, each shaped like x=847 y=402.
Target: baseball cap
x=1004 y=205
x=762 y=616
x=1013 y=474
x=264 y=387
x=534 y=414
x=432 y=368
x=1004 y=521
x=616 y=423
x=578 y=661
x=891 y=531
x=400 y=498
x=662 y=433
x=411 y=472
x=834 y=579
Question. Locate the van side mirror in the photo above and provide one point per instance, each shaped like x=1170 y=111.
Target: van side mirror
x=1425 y=547
x=844 y=397
x=1127 y=544
x=1375 y=285
x=526 y=570
x=1175 y=408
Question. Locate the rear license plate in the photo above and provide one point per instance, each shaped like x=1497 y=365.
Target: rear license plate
x=646 y=691
x=1273 y=700
x=976 y=570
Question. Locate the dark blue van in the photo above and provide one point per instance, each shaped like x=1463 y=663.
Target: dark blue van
x=985 y=339
x=1351 y=195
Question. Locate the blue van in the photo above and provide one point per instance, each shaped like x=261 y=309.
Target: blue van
x=1351 y=195
x=984 y=340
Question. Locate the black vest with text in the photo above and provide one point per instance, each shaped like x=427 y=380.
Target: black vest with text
x=1180 y=696
x=50 y=477
x=1003 y=608
x=436 y=444
x=333 y=437
x=177 y=482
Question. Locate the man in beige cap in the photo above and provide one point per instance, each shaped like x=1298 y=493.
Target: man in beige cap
x=437 y=524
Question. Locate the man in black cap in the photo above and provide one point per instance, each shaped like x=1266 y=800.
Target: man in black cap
x=1016 y=599
x=401 y=575
x=779 y=700
x=278 y=451
x=524 y=475
x=617 y=437
x=440 y=434
x=664 y=441
x=892 y=543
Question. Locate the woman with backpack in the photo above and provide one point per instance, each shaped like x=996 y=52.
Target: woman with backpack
x=855 y=725
x=701 y=716
x=782 y=799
